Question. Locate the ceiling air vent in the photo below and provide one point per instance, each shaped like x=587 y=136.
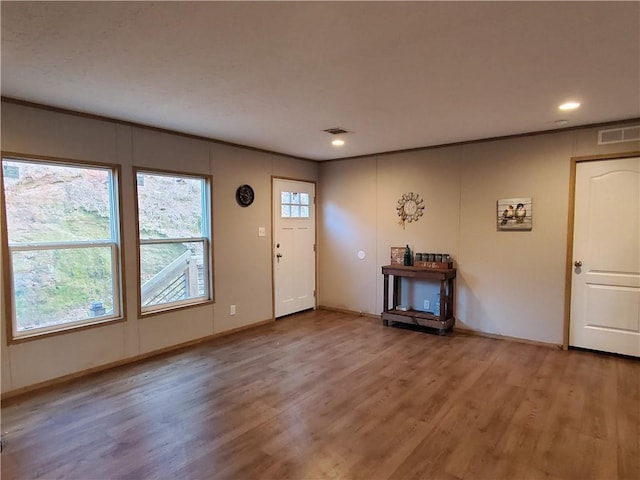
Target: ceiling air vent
x=335 y=130
x=619 y=135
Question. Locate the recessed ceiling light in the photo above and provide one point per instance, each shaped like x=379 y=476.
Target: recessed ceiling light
x=569 y=106
x=337 y=142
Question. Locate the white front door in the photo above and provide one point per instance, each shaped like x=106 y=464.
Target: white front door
x=294 y=238
x=605 y=288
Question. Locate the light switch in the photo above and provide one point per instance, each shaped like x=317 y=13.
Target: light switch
x=261 y=231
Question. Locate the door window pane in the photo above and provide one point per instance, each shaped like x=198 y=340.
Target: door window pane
x=294 y=205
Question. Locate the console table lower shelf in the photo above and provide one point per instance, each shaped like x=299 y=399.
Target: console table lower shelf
x=414 y=317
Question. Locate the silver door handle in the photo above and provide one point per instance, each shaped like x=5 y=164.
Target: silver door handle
x=577 y=263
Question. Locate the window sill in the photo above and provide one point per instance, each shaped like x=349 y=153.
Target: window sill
x=63 y=330
x=170 y=309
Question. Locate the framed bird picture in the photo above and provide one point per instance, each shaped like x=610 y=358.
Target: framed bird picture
x=515 y=213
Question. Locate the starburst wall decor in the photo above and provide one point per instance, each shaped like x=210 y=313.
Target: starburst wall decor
x=410 y=208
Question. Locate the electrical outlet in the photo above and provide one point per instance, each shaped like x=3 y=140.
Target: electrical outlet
x=232 y=310
x=427 y=304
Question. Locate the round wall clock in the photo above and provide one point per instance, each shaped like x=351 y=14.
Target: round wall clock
x=410 y=208
x=244 y=195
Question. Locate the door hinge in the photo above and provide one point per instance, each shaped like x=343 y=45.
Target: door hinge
x=314 y=293
x=314 y=247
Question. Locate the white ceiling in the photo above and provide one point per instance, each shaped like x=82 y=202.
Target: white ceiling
x=274 y=75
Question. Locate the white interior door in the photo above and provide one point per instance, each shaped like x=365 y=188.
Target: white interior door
x=294 y=237
x=605 y=288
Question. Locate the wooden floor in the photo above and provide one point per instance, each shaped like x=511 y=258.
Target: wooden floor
x=327 y=395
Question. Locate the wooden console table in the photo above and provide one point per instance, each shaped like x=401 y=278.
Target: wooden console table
x=442 y=322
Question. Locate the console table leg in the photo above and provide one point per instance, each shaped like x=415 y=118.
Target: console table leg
x=385 y=300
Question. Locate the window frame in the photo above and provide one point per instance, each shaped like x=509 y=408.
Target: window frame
x=115 y=244
x=206 y=239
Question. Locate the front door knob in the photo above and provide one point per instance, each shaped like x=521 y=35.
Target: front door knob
x=577 y=263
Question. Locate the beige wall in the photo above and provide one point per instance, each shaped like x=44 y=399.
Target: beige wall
x=508 y=283
x=242 y=267
x=512 y=283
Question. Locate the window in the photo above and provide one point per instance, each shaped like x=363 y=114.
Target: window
x=63 y=244
x=294 y=205
x=175 y=240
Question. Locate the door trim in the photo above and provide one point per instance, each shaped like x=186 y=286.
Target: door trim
x=570 y=226
x=315 y=240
